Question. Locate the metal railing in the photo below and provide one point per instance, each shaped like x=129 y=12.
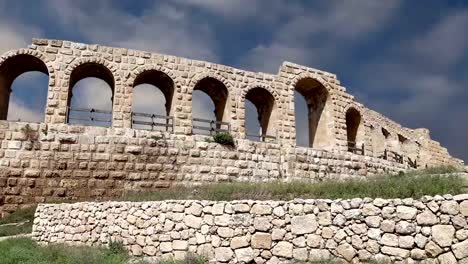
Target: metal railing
x=214 y=126
x=89 y=116
x=153 y=122
x=262 y=138
x=413 y=163
x=397 y=157
x=353 y=148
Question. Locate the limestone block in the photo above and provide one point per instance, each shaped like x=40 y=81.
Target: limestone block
x=443 y=235
x=460 y=249
x=426 y=218
x=261 y=209
x=447 y=258
x=346 y=251
x=193 y=221
x=261 y=240
x=397 y=252
x=449 y=207
x=406 y=212
x=244 y=255
x=283 y=249
x=464 y=208
x=303 y=224
x=223 y=254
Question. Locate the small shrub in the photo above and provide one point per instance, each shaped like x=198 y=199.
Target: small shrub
x=223 y=138
x=116 y=247
x=29 y=133
x=156 y=137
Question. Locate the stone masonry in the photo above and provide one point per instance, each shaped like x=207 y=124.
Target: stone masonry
x=56 y=160
x=430 y=230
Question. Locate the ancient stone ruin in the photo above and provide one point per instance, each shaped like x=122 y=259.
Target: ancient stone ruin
x=61 y=158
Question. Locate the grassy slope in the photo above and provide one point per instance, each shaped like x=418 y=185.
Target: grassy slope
x=26 y=251
x=22 y=215
x=413 y=184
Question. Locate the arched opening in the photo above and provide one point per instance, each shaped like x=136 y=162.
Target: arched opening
x=318 y=113
x=152 y=101
x=23 y=88
x=353 y=133
x=385 y=133
x=381 y=141
x=210 y=116
x=91 y=95
x=264 y=102
x=301 y=117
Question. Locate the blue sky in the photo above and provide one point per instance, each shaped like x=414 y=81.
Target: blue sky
x=405 y=59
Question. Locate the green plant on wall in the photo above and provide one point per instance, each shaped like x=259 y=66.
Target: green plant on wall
x=29 y=133
x=224 y=138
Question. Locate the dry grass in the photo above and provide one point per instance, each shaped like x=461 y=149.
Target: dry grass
x=414 y=184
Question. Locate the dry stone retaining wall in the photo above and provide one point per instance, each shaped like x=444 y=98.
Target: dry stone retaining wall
x=431 y=230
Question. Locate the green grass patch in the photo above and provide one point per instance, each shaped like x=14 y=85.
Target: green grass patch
x=190 y=259
x=19 y=216
x=414 y=184
x=24 y=217
x=26 y=251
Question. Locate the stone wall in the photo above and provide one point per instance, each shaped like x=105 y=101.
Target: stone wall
x=42 y=162
x=67 y=62
x=56 y=159
x=432 y=229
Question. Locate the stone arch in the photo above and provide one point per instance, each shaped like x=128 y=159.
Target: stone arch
x=91 y=67
x=218 y=89
x=152 y=67
x=355 y=129
x=318 y=96
x=13 y=64
x=265 y=86
x=380 y=139
x=165 y=80
x=202 y=75
x=266 y=101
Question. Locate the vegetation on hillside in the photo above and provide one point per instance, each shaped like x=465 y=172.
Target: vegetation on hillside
x=414 y=184
x=26 y=251
x=20 y=222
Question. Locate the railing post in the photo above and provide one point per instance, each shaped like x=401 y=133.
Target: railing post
x=131 y=119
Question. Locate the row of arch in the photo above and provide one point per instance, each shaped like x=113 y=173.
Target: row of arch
x=317 y=99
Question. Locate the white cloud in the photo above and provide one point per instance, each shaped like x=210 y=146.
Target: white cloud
x=18 y=110
x=161 y=28
x=445 y=44
x=148 y=99
x=238 y=11
x=92 y=93
x=15 y=35
x=319 y=35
